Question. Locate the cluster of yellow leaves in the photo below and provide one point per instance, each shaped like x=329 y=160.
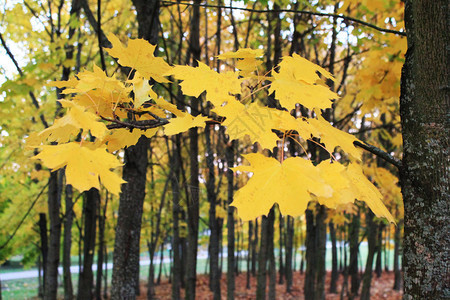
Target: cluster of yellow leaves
x=292 y=183
x=296 y=181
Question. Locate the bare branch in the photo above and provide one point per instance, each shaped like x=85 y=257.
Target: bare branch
x=312 y=13
x=380 y=153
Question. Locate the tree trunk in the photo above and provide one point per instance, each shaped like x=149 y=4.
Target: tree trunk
x=125 y=279
x=86 y=279
x=128 y=229
x=379 y=249
x=371 y=240
x=101 y=248
x=310 y=244
x=290 y=255
x=281 y=270
x=193 y=204
x=354 y=251
x=255 y=248
x=44 y=248
x=213 y=223
x=229 y=153
x=176 y=244
x=424 y=110
x=397 y=273
x=262 y=261
x=271 y=254
x=334 y=260
x=67 y=244
x=321 y=252
x=54 y=203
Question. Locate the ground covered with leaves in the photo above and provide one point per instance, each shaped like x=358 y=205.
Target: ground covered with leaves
x=381 y=288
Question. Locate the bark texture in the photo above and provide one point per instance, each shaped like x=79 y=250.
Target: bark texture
x=126 y=247
x=125 y=277
x=424 y=108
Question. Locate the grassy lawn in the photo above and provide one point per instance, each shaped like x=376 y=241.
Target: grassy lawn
x=28 y=288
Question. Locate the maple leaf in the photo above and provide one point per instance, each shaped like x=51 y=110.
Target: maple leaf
x=298 y=82
x=289 y=184
x=255 y=121
x=183 y=123
x=333 y=137
x=242 y=53
x=142 y=90
x=97 y=79
x=218 y=86
x=350 y=183
x=85 y=164
x=122 y=137
x=75 y=119
x=139 y=55
x=247 y=59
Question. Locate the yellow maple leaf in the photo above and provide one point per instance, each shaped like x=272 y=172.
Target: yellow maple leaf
x=350 y=183
x=247 y=59
x=298 y=82
x=183 y=123
x=289 y=184
x=218 y=86
x=242 y=53
x=122 y=137
x=142 y=90
x=160 y=102
x=97 y=79
x=333 y=137
x=85 y=164
x=75 y=119
x=253 y=120
x=139 y=55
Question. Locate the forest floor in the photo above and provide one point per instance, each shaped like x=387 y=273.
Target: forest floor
x=381 y=288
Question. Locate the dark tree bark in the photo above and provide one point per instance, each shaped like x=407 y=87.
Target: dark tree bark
x=290 y=255
x=281 y=270
x=44 y=247
x=334 y=259
x=424 y=110
x=229 y=153
x=271 y=254
x=54 y=204
x=126 y=247
x=314 y=287
x=101 y=248
x=371 y=228
x=379 y=250
x=249 y=248
x=213 y=222
x=262 y=261
x=193 y=204
x=310 y=244
x=176 y=244
x=86 y=279
x=354 y=250
x=125 y=279
x=67 y=244
x=397 y=246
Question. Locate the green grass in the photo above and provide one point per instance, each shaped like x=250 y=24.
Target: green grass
x=28 y=288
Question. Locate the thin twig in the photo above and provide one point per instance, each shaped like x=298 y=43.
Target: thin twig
x=145 y=124
x=380 y=153
x=312 y=13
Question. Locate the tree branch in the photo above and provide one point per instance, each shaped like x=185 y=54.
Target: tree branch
x=312 y=13
x=145 y=124
x=380 y=153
